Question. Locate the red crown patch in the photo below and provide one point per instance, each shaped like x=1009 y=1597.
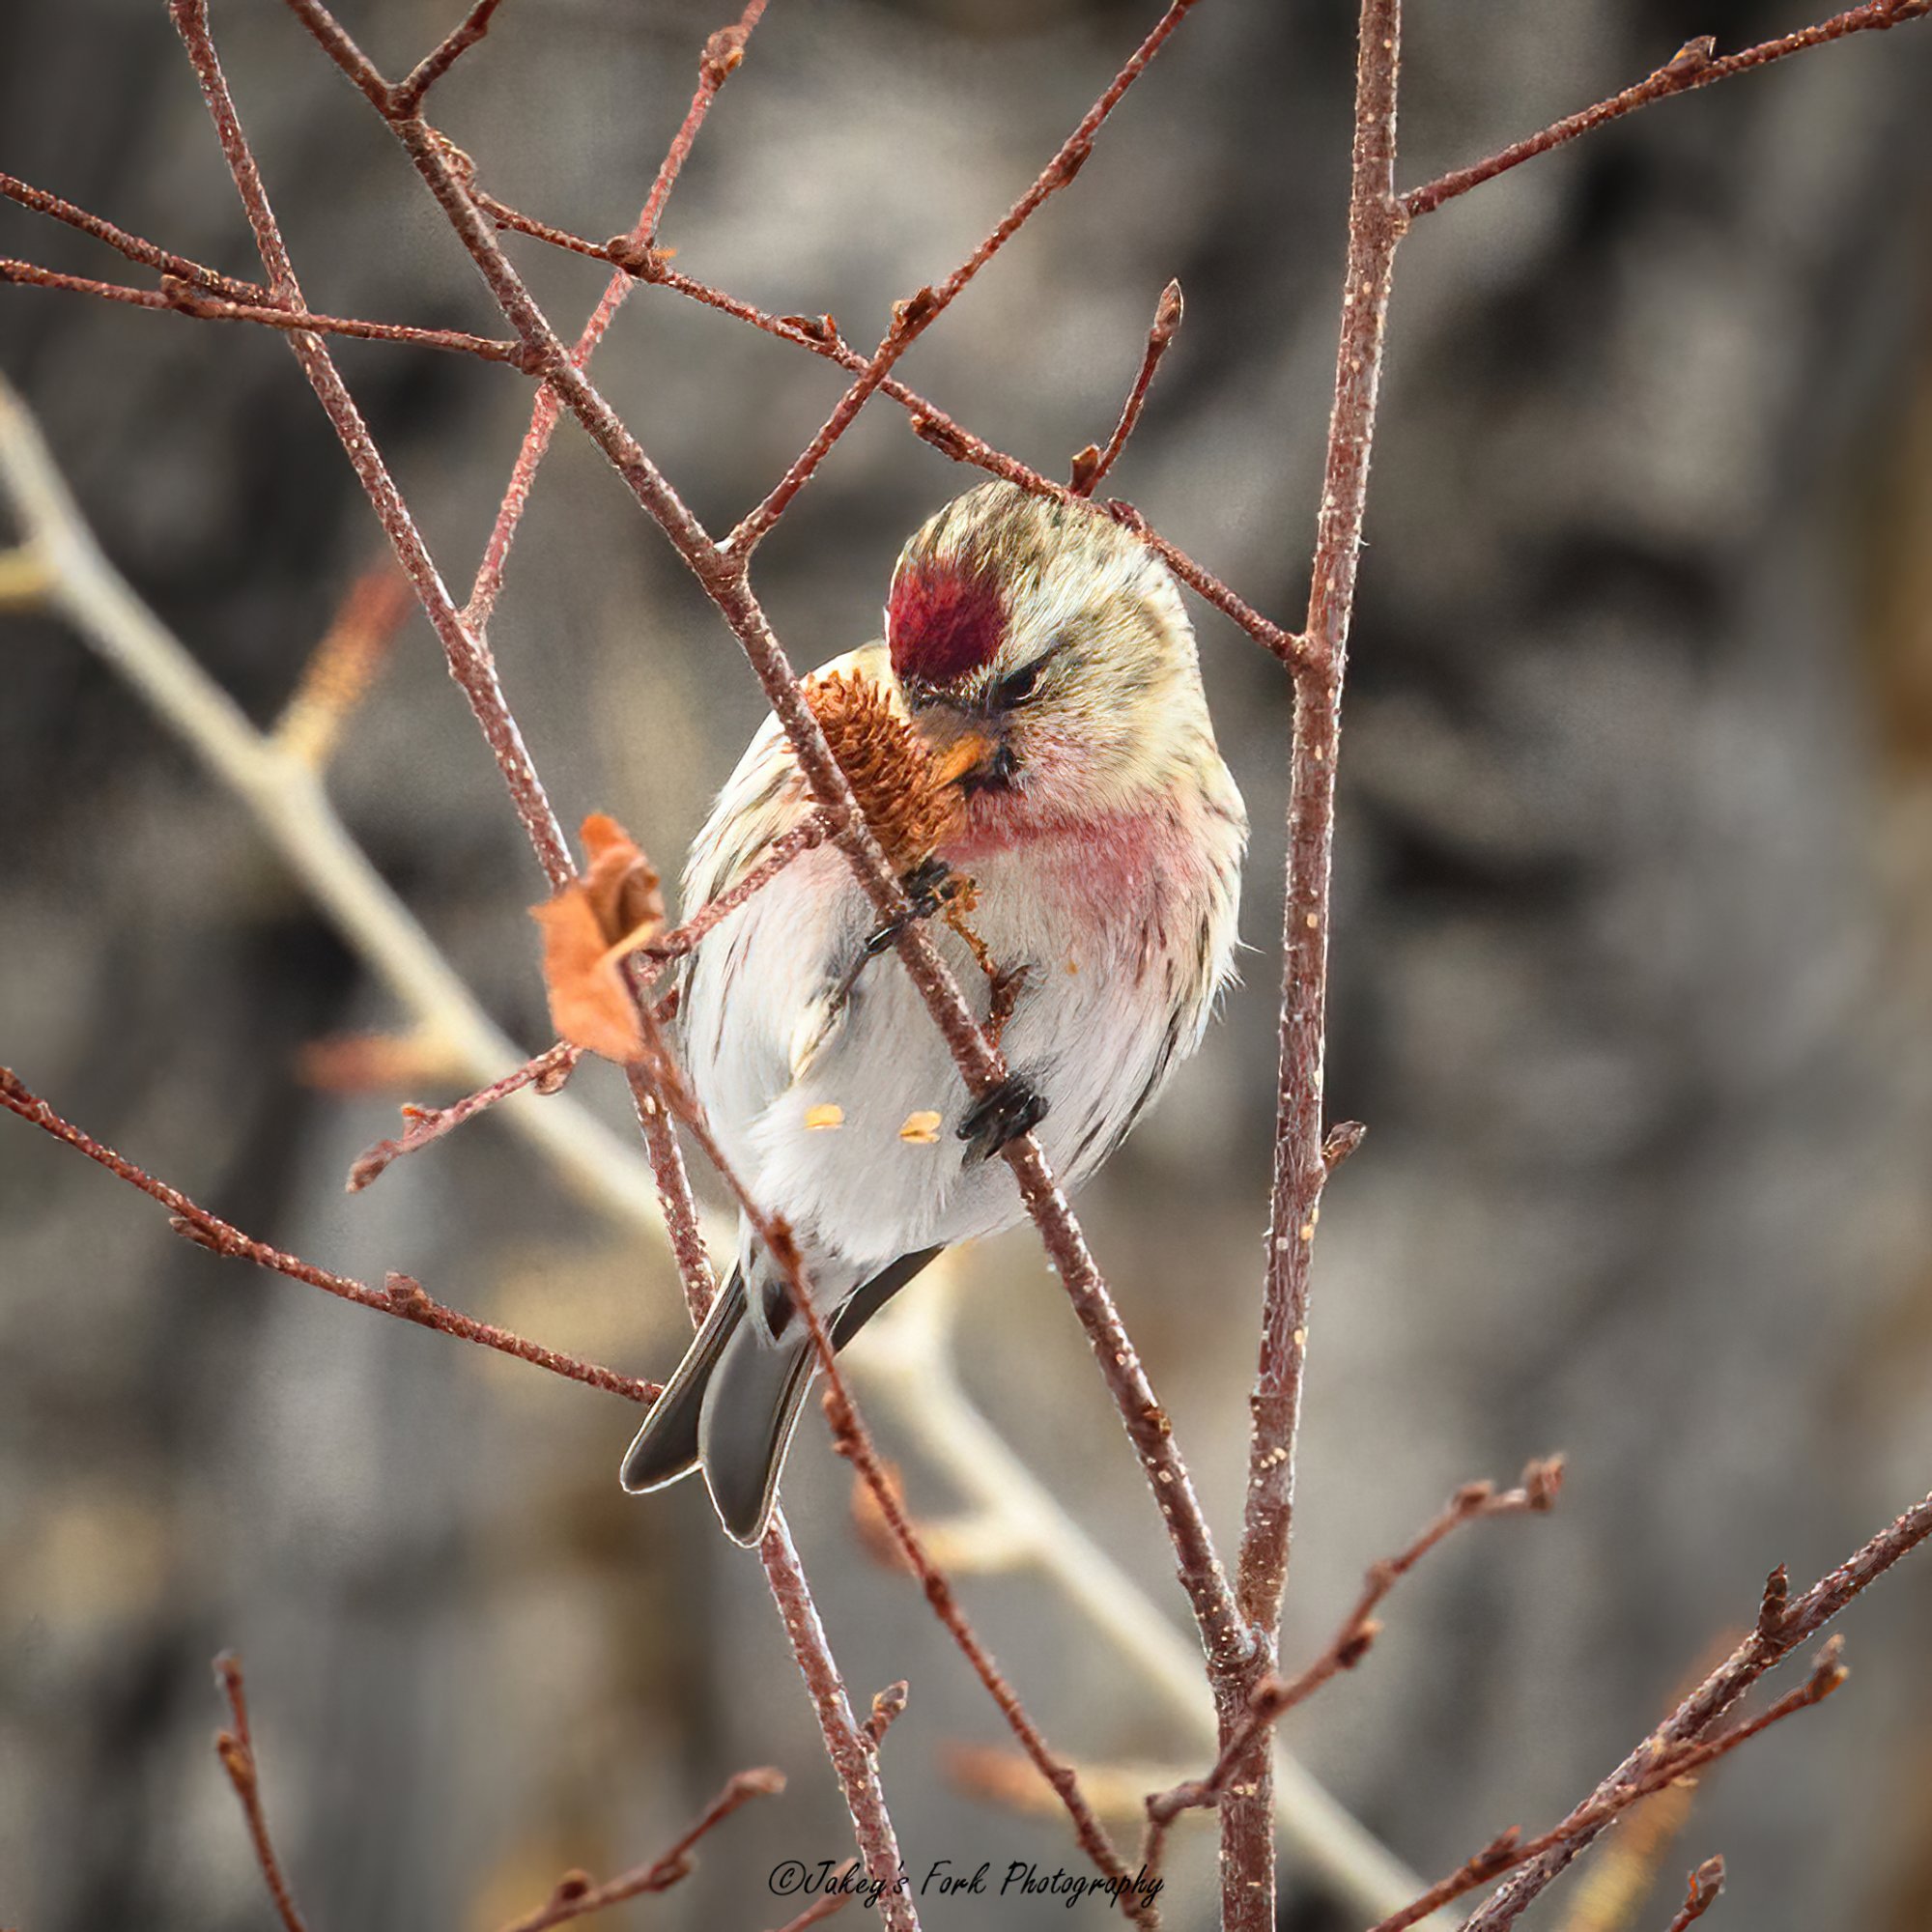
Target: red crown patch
x=943 y=622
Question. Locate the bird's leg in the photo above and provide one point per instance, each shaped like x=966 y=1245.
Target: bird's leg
x=1012 y=1110
x=930 y=888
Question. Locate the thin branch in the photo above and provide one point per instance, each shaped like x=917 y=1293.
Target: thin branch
x=401 y=1296
x=628 y=252
x=850 y=1748
x=181 y=297
x=791 y=846
x=713 y=68
x=817 y=1912
x=235 y=1748
x=470 y=662
x=1475 y=1502
x=546 y=1073
x=1300 y=1170
x=1696 y=64
x=1706 y=1882
x=1091 y=466
x=135 y=247
x=576 y=1896
x=914 y=316
x=723 y=54
x=1664 y=1763
x=1769 y=1644
x=407 y=96
x=1273 y=1697
x=283 y=795
x=928 y=421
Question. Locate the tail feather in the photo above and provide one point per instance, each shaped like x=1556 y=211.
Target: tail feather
x=751 y=1408
x=666 y=1447
x=733 y=1402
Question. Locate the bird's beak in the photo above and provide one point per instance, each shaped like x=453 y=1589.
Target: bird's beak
x=961 y=752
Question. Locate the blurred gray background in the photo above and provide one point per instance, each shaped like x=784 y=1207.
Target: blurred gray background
x=1634 y=926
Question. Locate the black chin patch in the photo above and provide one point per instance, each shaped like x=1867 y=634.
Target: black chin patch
x=999 y=776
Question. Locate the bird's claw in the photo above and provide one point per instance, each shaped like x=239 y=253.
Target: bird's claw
x=929 y=887
x=1012 y=1110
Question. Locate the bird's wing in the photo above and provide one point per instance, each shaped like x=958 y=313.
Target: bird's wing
x=761 y=997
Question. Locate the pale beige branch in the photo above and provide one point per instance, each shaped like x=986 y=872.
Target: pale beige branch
x=60 y=567
x=905 y=1360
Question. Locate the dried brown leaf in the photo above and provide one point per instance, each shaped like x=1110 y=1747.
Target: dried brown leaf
x=589 y=928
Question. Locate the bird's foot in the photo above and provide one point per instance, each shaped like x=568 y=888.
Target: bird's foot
x=1012 y=1110
x=930 y=888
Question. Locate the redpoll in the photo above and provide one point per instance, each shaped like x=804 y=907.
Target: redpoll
x=1042 y=654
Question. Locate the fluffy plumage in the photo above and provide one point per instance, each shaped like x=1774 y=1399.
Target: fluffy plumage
x=1104 y=836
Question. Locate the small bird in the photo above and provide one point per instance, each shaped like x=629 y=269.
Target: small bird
x=1041 y=653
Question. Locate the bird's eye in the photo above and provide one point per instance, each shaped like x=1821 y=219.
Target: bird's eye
x=1018 y=687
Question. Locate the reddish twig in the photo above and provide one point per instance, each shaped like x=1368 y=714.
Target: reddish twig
x=934 y=426
x=713 y=68
x=1798 y=1619
x=1091 y=464
x=576 y=1895
x=400 y=1296
x=723 y=54
x=135 y=247
x=912 y=317
x=546 y=1073
x=470 y=663
x=620 y=250
x=408 y=95
x=1536 y=1495
x=1665 y=1764
x=680 y=939
x=181 y=297
x=235 y=1748
x=1273 y=1697
x=1300 y=1169
x=854 y=1755
x=1706 y=1882
x=1696 y=64
x=849 y=1745
x=819 y=1911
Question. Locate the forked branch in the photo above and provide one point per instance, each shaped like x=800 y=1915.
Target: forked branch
x=1273 y=1697
x=1784 y=1622
x=576 y=1895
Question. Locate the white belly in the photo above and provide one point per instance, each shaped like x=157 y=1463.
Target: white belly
x=1118 y=986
